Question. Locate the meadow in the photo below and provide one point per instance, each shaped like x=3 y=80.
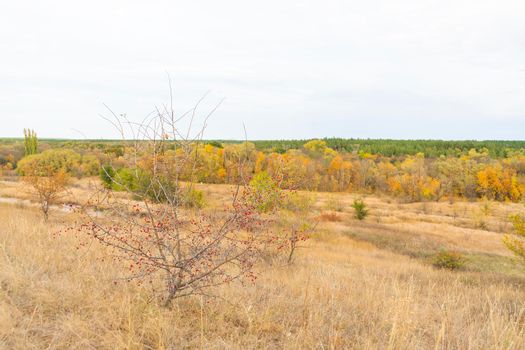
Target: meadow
x=353 y=284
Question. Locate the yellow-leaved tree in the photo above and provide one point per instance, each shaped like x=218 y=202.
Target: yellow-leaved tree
x=515 y=242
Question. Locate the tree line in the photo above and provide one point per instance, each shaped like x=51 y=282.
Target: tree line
x=313 y=165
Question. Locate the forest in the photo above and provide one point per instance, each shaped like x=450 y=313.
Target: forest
x=412 y=170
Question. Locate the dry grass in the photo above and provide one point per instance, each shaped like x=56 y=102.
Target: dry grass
x=342 y=292
x=330 y=217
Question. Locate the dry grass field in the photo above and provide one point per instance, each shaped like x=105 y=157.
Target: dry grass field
x=356 y=284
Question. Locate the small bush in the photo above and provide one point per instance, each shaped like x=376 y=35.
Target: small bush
x=299 y=202
x=361 y=212
x=480 y=220
x=193 y=198
x=334 y=204
x=141 y=184
x=47 y=188
x=89 y=166
x=448 y=260
x=50 y=161
x=157 y=188
x=515 y=241
x=107 y=174
x=265 y=193
x=125 y=179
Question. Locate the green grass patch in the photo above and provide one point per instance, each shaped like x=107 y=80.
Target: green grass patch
x=425 y=250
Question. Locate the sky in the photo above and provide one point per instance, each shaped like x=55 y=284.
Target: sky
x=404 y=69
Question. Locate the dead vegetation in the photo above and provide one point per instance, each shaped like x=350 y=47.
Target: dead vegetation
x=354 y=284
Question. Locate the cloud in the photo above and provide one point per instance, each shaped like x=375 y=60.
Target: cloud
x=294 y=69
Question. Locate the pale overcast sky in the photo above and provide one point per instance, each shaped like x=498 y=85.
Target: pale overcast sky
x=452 y=69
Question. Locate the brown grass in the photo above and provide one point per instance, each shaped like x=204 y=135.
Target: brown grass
x=347 y=289
x=330 y=217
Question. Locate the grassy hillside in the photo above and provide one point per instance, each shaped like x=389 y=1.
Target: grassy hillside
x=355 y=284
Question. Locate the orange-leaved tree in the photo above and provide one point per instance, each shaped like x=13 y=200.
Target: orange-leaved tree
x=48 y=183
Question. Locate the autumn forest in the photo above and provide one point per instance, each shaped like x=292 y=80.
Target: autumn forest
x=409 y=170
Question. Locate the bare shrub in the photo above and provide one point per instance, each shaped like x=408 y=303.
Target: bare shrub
x=153 y=234
x=295 y=223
